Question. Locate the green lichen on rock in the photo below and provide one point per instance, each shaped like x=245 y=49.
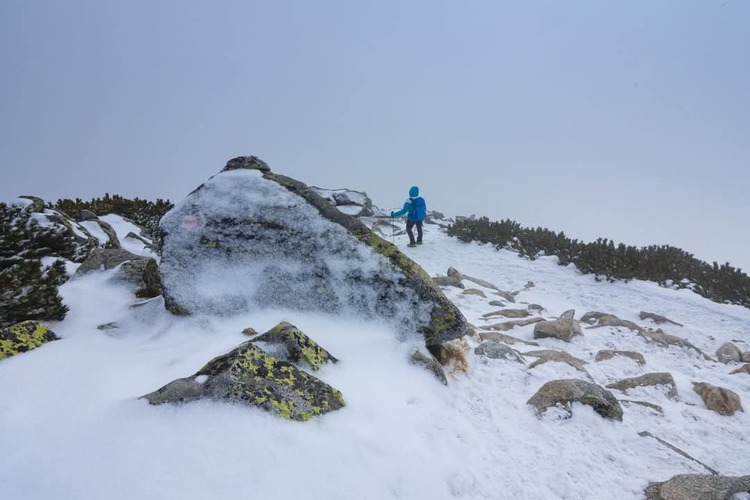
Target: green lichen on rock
x=23 y=337
x=248 y=375
x=296 y=346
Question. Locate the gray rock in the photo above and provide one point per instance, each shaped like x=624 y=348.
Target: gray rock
x=508 y=313
x=102 y=259
x=698 y=487
x=566 y=391
x=453 y=273
x=745 y=357
x=143 y=273
x=295 y=346
x=505 y=339
x=569 y=314
x=551 y=355
x=728 y=353
x=36 y=206
x=496 y=350
x=474 y=291
x=718 y=399
x=268 y=241
x=85 y=215
x=606 y=354
x=742 y=369
x=249 y=376
x=660 y=338
x=112 y=240
x=657 y=318
x=509 y=325
x=647 y=380
x=563 y=329
x=431 y=364
x=448 y=281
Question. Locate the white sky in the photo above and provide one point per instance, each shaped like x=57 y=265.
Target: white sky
x=72 y=428
x=628 y=120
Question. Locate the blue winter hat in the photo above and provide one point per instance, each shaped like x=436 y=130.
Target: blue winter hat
x=414 y=192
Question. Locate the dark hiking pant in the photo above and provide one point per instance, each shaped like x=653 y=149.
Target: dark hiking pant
x=409 y=230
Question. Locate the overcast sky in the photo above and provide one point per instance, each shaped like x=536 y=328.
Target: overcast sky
x=621 y=119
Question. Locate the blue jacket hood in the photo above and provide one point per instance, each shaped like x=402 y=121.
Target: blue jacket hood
x=414 y=192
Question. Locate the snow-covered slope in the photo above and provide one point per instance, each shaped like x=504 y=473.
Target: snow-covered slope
x=71 y=426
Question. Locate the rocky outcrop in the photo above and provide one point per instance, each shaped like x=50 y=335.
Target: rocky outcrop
x=249 y=239
x=606 y=354
x=647 y=380
x=249 y=376
x=567 y=391
x=289 y=343
x=718 y=399
x=698 y=487
x=23 y=337
x=563 y=329
x=728 y=353
x=141 y=272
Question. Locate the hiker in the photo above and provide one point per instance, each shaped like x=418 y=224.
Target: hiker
x=416 y=209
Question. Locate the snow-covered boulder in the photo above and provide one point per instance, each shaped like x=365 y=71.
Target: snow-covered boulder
x=247 y=375
x=24 y=337
x=567 y=391
x=249 y=239
x=647 y=380
x=350 y=202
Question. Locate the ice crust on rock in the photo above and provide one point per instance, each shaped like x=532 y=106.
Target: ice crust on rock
x=241 y=243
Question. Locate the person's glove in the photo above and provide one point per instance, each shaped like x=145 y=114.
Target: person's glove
x=393 y=214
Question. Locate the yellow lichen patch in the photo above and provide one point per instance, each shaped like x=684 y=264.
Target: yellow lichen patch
x=23 y=337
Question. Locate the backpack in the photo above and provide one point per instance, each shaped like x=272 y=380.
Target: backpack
x=417 y=209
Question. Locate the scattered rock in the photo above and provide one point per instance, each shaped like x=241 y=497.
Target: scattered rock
x=506 y=295
x=645 y=404
x=249 y=331
x=448 y=281
x=249 y=376
x=718 y=399
x=661 y=338
x=566 y=391
x=658 y=319
x=745 y=357
x=508 y=313
x=563 y=329
x=728 y=353
x=23 y=337
x=497 y=303
x=509 y=325
x=143 y=272
x=647 y=380
x=547 y=355
x=431 y=364
x=295 y=346
x=569 y=314
x=535 y=307
x=742 y=369
x=600 y=320
x=106 y=258
x=606 y=354
x=496 y=350
x=474 y=291
x=108 y=326
x=506 y=339
x=698 y=487
x=453 y=273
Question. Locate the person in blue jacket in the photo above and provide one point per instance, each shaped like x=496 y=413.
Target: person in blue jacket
x=416 y=210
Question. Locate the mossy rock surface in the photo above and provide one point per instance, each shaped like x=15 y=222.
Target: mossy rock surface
x=566 y=391
x=296 y=346
x=249 y=376
x=23 y=337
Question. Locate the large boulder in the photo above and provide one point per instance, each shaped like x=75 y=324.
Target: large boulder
x=23 y=337
x=698 y=487
x=567 y=391
x=249 y=239
x=249 y=376
x=719 y=399
x=728 y=352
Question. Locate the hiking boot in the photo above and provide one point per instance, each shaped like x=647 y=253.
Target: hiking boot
x=419 y=243
x=411 y=245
